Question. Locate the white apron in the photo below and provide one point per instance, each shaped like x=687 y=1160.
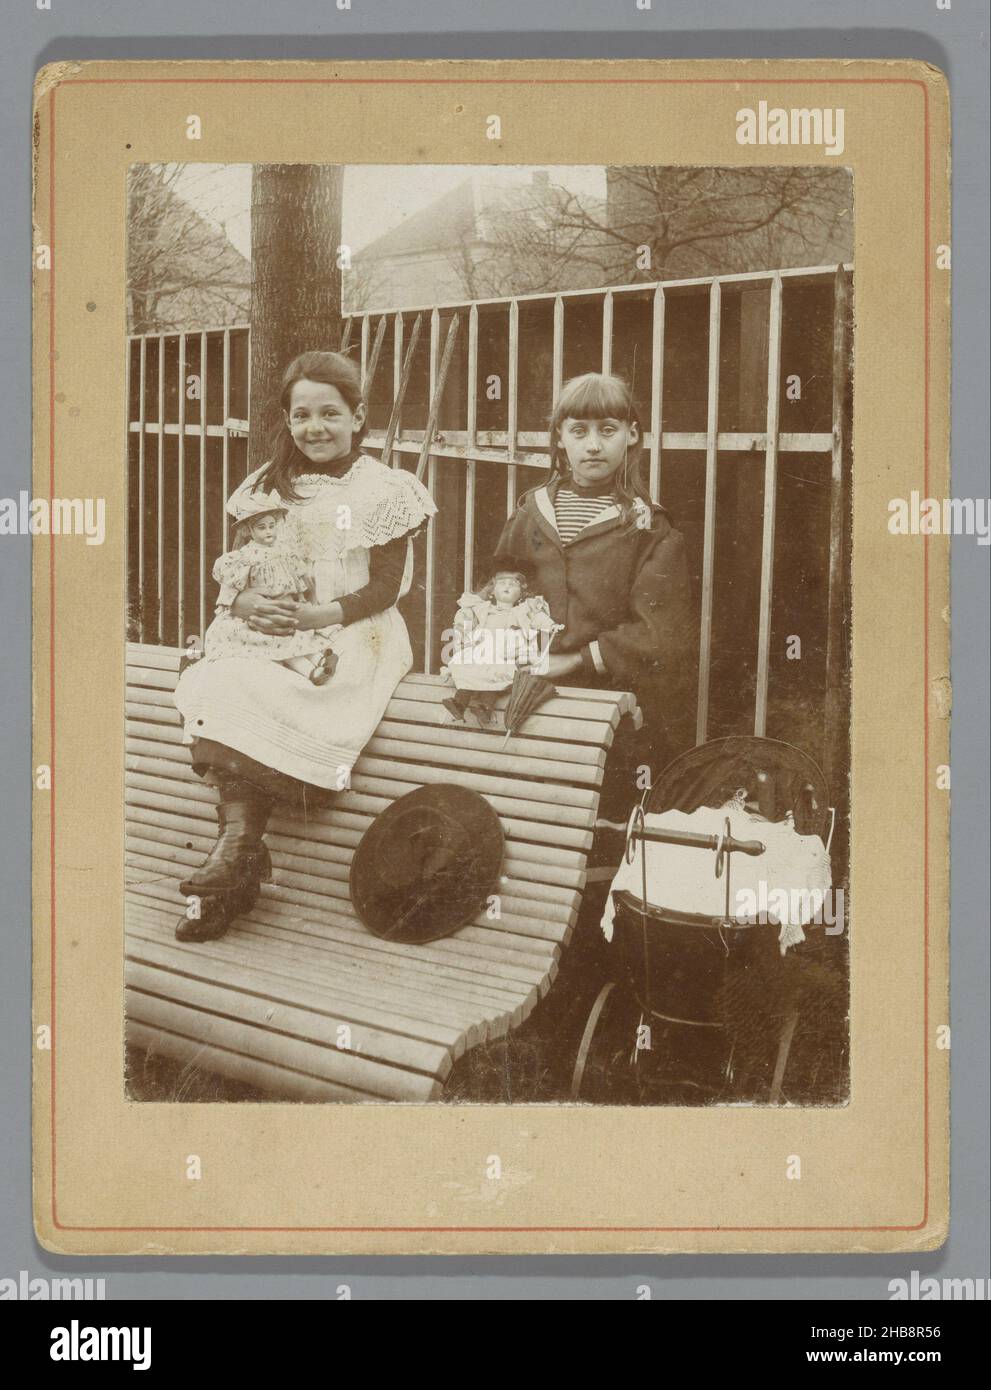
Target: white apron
x=278 y=717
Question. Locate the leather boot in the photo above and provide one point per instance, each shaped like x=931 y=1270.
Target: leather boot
x=218 y=912
x=240 y=856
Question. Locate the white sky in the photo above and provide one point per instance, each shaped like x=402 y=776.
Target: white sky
x=377 y=197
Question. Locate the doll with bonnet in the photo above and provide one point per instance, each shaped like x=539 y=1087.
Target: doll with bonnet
x=263 y=559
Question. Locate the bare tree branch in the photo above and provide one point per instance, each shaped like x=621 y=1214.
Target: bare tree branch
x=182 y=270
x=658 y=223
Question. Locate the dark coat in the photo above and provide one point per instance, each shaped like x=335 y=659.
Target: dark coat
x=627 y=589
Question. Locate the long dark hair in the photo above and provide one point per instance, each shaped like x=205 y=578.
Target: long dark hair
x=601 y=396
x=332 y=369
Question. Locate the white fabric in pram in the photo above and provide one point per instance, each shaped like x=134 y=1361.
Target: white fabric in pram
x=789 y=883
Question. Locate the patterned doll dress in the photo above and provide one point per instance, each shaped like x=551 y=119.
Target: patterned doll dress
x=275 y=571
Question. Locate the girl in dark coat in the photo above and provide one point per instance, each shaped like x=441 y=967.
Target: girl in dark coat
x=613 y=570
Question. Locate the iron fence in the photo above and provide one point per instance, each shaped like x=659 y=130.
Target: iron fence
x=745 y=384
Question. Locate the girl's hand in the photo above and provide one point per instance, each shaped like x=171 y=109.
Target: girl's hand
x=562 y=664
x=276 y=617
x=313 y=615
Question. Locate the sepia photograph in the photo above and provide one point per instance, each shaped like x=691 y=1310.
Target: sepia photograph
x=487 y=631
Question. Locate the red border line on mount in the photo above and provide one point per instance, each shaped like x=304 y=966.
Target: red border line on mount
x=491 y=81
x=51 y=609
x=498 y=81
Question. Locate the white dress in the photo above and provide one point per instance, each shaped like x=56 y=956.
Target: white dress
x=273 y=714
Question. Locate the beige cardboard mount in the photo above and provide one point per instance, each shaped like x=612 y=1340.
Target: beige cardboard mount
x=110 y=1176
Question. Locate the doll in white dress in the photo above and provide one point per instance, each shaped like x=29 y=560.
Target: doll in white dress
x=265 y=560
x=497 y=632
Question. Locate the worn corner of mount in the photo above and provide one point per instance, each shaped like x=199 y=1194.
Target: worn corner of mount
x=50 y=76
x=933 y=1235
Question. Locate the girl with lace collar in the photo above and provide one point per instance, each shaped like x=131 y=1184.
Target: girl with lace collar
x=257 y=730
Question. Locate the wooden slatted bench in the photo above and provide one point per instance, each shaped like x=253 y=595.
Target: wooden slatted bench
x=299 y=999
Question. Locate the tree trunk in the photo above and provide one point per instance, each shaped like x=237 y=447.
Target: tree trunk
x=295 y=283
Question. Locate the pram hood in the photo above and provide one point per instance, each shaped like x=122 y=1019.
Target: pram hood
x=777 y=776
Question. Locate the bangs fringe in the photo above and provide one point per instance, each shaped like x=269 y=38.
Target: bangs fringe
x=594 y=397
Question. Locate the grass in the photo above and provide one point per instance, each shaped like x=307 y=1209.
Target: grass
x=150 y=1076
x=684 y=1066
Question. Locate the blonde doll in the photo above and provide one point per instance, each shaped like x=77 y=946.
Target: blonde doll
x=497 y=632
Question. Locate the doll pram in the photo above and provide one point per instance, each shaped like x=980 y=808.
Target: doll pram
x=678 y=942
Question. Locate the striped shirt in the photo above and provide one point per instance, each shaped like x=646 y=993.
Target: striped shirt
x=573 y=511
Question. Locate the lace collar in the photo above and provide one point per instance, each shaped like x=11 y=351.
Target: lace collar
x=318 y=479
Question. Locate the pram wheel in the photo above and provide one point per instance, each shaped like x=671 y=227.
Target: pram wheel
x=605 y=1071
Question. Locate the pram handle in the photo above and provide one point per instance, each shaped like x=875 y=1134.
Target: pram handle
x=726 y=843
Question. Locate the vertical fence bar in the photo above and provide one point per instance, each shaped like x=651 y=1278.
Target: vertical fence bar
x=557 y=370
x=128 y=373
x=368 y=379
x=607 y=322
x=709 y=525
x=437 y=396
x=364 y=348
x=513 y=405
x=834 y=732
x=656 y=392
x=142 y=380
x=203 y=405
x=770 y=505
x=392 y=428
x=181 y=490
x=471 y=441
x=161 y=487
x=431 y=575
x=346 y=334
x=225 y=460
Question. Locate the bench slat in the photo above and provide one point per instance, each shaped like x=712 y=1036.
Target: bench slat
x=164 y=723
x=539 y=726
x=580 y=704
x=253 y=1071
x=220 y=994
x=433 y=993
x=546 y=794
x=572 y=738
x=343 y=1001
x=543 y=863
x=517 y=938
x=565 y=818
x=509 y=951
x=193 y=842
x=390 y=1083
x=145 y=655
x=567 y=704
x=476 y=966
x=433 y=751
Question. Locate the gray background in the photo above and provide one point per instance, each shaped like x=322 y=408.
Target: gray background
x=956 y=41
